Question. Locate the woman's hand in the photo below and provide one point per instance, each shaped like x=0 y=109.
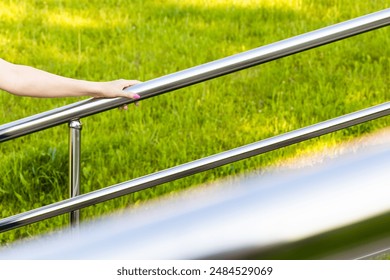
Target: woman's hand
x=116 y=89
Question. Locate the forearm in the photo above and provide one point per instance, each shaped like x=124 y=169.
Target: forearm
x=28 y=81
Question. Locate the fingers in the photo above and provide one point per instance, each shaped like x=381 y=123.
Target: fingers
x=127 y=93
x=124 y=107
x=117 y=88
x=125 y=84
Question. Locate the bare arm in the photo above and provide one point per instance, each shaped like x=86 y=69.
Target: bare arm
x=28 y=81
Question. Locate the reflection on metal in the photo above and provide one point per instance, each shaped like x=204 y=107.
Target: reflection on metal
x=376 y=254
x=198 y=74
x=316 y=213
x=74 y=166
x=194 y=167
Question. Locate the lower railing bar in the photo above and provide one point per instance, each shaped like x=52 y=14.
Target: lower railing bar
x=194 y=167
x=199 y=73
x=338 y=210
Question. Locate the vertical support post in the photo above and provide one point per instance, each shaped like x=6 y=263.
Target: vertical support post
x=74 y=166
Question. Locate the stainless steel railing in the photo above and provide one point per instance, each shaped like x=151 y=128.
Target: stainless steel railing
x=336 y=210
x=72 y=113
x=198 y=74
x=194 y=167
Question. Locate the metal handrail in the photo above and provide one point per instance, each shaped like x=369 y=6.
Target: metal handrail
x=194 y=167
x=336 y=210
x=198 y=74
x=71 y=113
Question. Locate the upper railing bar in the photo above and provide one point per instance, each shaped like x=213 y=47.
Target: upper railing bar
x=194 y=167
x=198 y=74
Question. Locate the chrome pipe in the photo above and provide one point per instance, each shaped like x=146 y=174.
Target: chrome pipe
x=194 y=167
x=198 y=74
x=74 y=166
x=337 y=210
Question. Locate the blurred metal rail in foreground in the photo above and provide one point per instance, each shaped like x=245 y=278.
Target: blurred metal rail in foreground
x=337 y=210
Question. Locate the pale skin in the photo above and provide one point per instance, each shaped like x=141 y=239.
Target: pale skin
x=28 y=81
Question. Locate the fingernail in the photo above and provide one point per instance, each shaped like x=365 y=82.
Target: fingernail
x=136 y=96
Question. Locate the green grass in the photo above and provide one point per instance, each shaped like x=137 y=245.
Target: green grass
x=104 y=40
